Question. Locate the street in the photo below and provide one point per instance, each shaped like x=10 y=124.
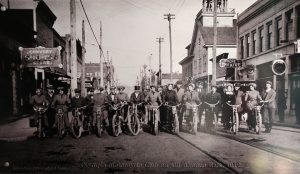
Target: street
x=222 y=152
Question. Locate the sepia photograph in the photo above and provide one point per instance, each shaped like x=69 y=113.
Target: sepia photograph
x=150 y=86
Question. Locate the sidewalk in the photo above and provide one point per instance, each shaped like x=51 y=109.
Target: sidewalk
x=289 y=121
x=16 y=129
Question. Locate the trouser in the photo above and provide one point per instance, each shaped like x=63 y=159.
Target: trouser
x=269 y=114
x=227 y=116
x=251 y=118
x=210 y=117
x=281 y=115
x=51 y=116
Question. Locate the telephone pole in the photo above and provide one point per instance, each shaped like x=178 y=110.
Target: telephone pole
x=214 y=53
x=101 y=61
x=73 y=46
x=150 y=69
x=159 y=40
x=170 y=17
x=83 y=61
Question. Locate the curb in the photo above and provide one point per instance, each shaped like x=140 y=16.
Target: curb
x=287 y=125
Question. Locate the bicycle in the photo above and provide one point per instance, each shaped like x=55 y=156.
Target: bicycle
x=135 y=114
x=41 y=122
x=153 y=118
x=99 y=126
x=215 y=119
x=119 y=120
x=258 y=117
x=77 y=122
x=235 y=118
x=175 y=121
x=195 y=117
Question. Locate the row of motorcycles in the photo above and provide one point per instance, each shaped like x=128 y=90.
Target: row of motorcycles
x=126 y=117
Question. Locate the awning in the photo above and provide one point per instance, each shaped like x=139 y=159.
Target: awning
x=57 y=71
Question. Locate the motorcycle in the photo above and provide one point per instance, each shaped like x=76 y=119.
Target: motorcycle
x=41 y=122
x=175 y=121
x=77 y=122
x=235 y=118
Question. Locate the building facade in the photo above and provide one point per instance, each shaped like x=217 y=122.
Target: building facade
x=196 y=66
x=267 y=31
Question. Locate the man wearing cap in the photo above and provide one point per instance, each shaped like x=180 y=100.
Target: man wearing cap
x=268 y=96
x=179 y=92
x=112 y=97
x=137 y=97
x=51 y=111
x=39 y=100
x=213 y=97
x=239 y=98
x=252 y=98
x=100 y=99
x=62 y=101
x=192 y=98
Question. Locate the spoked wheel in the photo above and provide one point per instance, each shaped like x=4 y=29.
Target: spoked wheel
x=116 y=125
x=195 y=123
x=258 y=124
x=99 y=125
x=215 y=121
x=176 y=124
x=155 y=123
x=60 y=127
x=76 y=128
x=235 y=122
x=134 y=124
x=39 y=129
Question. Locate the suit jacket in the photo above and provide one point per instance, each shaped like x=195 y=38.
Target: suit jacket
x=153 y=98
x=191 y=97
x=270 y=97
x=136 y=99
x=179 y=93
x=122 y=97
x=202 y=94
x=112 y=98
x=239 y=96
x=170 y=96
x=62 y=100
x=252 y=98
x=78 y=102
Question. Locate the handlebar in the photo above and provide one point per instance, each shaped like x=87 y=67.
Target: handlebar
x=83 y=107
x=212 y=105
x=167 y=104
x=233 y=105
x=194 y=105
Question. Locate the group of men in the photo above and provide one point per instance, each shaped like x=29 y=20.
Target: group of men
x=157 y=95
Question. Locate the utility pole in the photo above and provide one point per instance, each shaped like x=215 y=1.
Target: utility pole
x=214 y=53
x=73 y=47
x=145 y=75
x=150 y=69
x=170 y=17
x=160 y=40
x=83 y=62
x=101 y=61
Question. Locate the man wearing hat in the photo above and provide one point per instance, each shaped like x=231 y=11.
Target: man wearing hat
x=137 y=97
x=89 y=100
x=191 y=96
x=51 y=111
x=100 y=99
x=154 y=99
x=239 y=98
x=112 y=97
x=169 y=97
x=268 y=96
x=252 y=98
x=179 y=92
x=62 y=101
x=78 y=101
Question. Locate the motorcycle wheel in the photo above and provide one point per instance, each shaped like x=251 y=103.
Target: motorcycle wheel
x=195 y=123
x=134 y=124
x=155 y=124
x=60 y=127
x=76 y=129
x=258 y=124
x=99 y=125
x=176 y=124
x=116 y=124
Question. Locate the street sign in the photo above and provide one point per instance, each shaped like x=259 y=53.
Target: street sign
x=41 y=57
x=230 y=63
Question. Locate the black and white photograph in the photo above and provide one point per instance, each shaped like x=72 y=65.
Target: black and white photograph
x=150 y=86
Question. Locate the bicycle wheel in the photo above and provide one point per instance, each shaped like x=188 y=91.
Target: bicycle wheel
x=215 y=121
x=99 y=125
x=176 y=124
x=133 y=124
x=116 y=123
x=60 y=126
x=235 y=121
x=76 y=128
x=195 y=123
x=155 y=123
x=258 y=124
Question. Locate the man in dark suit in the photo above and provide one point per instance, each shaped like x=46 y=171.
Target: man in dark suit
x=212 y=98
x=268 y=96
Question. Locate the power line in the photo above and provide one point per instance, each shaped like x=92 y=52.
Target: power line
x=101 y=51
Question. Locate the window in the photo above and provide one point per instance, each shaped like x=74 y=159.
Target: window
x=261 y=39
x=253 y=42
x=242 y=47
x=269 y=35
x=247 y=45
x=289 y=25
x=278 y=31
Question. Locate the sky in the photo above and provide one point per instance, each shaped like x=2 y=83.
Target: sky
x=130 y=29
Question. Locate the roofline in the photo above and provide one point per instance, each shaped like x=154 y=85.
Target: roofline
x=220 y=45
x=185 y=59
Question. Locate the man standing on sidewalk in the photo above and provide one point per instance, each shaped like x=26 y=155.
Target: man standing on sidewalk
x=269 y=109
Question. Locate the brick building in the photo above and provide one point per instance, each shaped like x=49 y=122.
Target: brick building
x=267 y=31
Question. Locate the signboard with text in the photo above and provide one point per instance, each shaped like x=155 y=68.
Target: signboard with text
x=41 y=57
x=230 y=63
